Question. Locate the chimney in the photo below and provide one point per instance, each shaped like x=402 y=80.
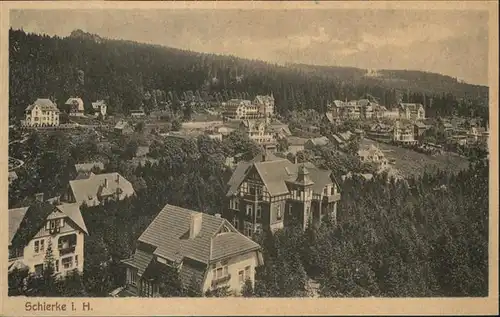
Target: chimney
x=118 y=178
x=105 y=183
x=195 y=224
x=39 y=197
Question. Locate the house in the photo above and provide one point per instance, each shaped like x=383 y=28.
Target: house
x=367 y=108
x=258 y=132
x=123 y=127
x=240 y=109
x=419 y=129
x=33 y=229
x=392 y=114
x=265 y=104
x=76 y=106
x=100 y=108
x=43 y=112
x=379 y=111
x=89 y=167
x=296 y=144
x=12 y=177
x=98 y=188
x=372 y=155
x=381 y=132
x=269 y=193
x=280 y=131
x=364 y=176
x=206 y=250
x=403 y=134
x=411 y=111
x=311 y=143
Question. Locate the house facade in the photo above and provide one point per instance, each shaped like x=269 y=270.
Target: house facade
x=97 y=189
x=403 y=134
x=411 y=111
x=258 y=132
x=265 y=104
x=32 y=229
x=100 y=108
x=240 y=109
x=373 y=155
x=269 y=193
x=42 y=113
x=76 y=106
x=206 y=250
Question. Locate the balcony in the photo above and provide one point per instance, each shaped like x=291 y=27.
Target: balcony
x=221 y=280
x=331 y=198
x=66 y=249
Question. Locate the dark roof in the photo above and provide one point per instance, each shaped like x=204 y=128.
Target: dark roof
x=276 y=173
x=169 y=233
x=25 y=223
x=140 y=260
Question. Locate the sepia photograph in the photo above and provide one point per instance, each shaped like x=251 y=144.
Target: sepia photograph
x=247 y=152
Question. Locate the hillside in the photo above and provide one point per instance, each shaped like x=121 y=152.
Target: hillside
x=124 y=72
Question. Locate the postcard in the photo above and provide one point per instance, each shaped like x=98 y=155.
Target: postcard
x=249 y=158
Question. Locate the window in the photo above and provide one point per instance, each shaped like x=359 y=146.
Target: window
x=325 y=191
x=52 y=224
x=278 y=212
x=236 y=223
x=248 y=229
x=67 y=263
x=56 y=265
x=38 y=269
x=37 y=246
x=42 y=245
x=76 y=260
x=332 y=190
x=236 y=204
x=290 y=210
x=249 y=210
x=259 y=212
x=241 y=276
x=131 y=276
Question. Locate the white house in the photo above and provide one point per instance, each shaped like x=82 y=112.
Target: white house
x=76 y=107
x=43 y=112
x=33 y=229
x=100 y=108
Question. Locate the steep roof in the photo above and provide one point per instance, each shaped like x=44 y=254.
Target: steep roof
x=44 y=104
x=87 y=190
x=98 y=104
x=25 y=222
x=140 y=260
x=169 y=234
x=275 y=174
x=323 y=140
x=78 y=102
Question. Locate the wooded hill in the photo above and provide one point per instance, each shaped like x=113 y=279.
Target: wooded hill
x=124 y=72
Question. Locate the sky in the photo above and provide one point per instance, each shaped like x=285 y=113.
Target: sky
x=449 y=42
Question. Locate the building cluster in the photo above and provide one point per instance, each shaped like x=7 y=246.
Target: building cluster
x=45 y=113
x=262 y=107
x=366 y=109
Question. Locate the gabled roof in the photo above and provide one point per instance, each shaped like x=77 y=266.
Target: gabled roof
x=139 y=260
x=263 y=99
x=420 y=125
x=276 y=173
x=25 y=222
x=169 y=234
x=319 y=141
x=78 y=102
x=88 y=190
x=44 y=104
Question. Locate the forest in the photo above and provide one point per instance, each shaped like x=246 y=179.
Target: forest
x=427 y=236
x=129 y=74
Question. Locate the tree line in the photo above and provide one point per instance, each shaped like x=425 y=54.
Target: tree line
x=131 y=75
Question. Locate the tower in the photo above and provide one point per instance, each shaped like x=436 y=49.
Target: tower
x=302 y=193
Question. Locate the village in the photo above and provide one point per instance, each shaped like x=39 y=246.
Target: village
x=280 y=186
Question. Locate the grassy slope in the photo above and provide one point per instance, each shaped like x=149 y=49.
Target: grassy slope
x=409 y=162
